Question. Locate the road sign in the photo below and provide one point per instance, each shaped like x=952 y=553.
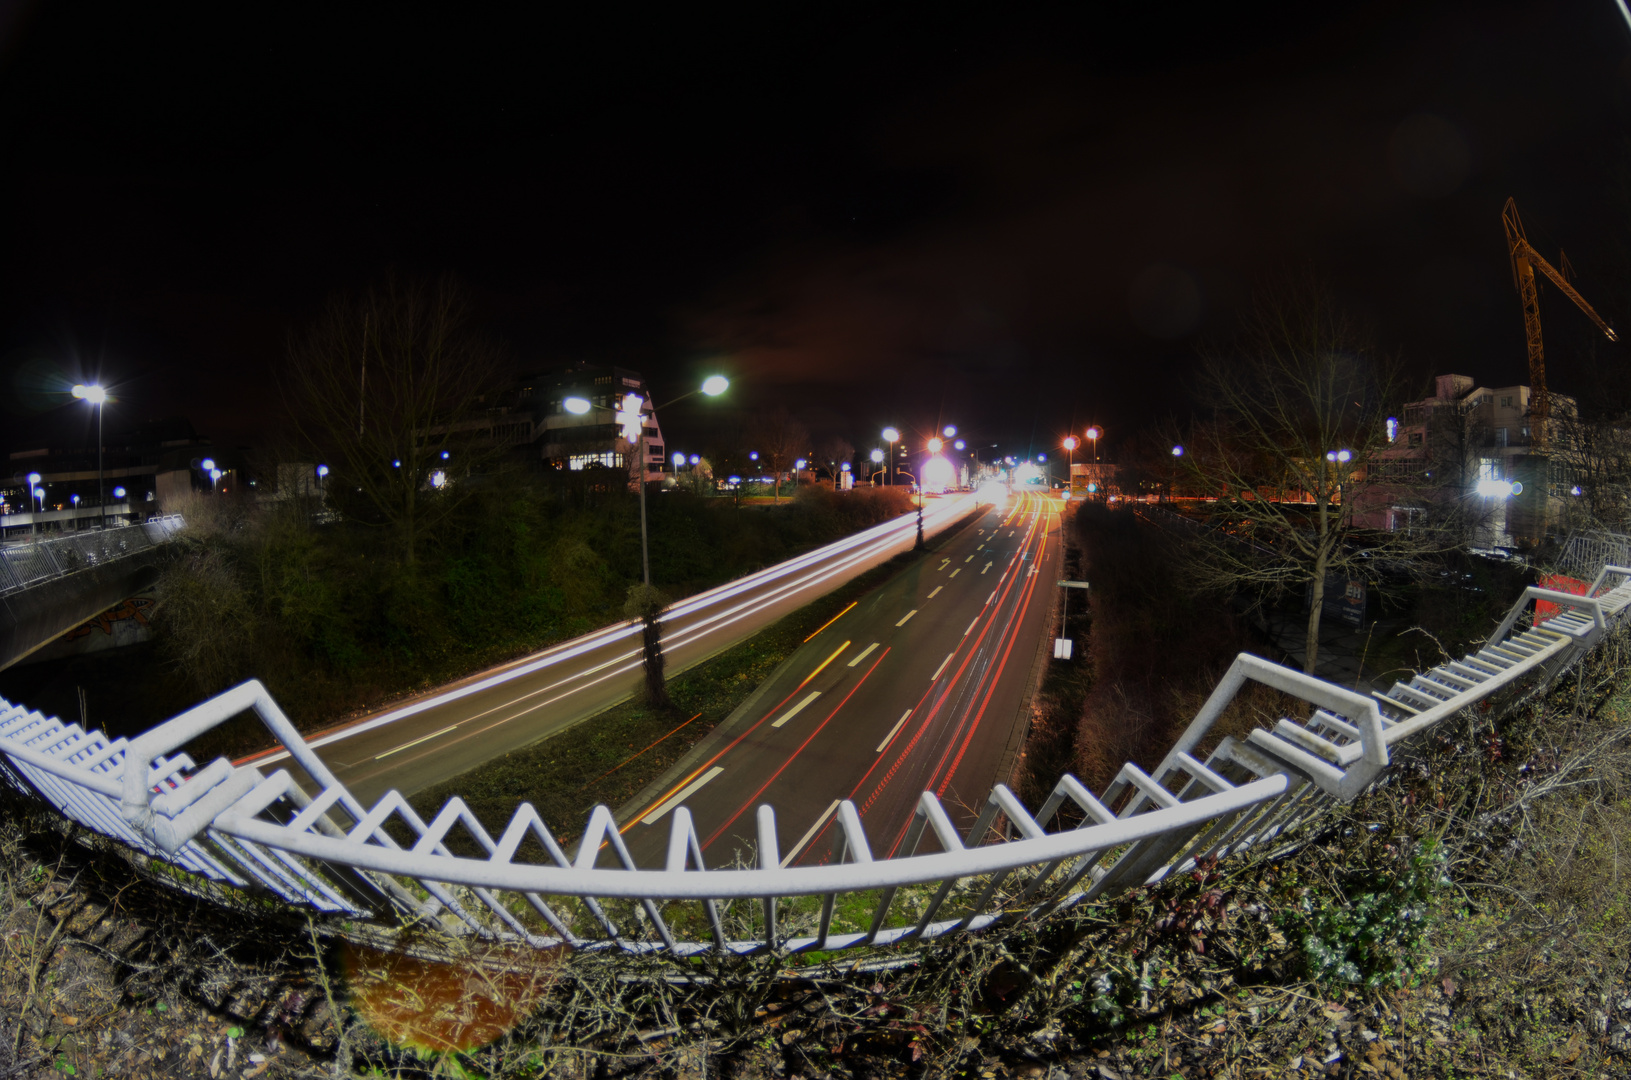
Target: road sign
x=1074 y=584
x=1061 y=648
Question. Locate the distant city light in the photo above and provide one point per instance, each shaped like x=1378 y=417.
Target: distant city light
x=93 y=393
x=714 y=385
x=397 y=464
x=753 y=455
x=438 y=479
x=1339 y=455
x=444 y=455
x=735 y=480
x=1392 y=428
x=209 y=463
x=1041 y=457
x=1177 y=451
x=1575 y=490
x=577 y=406
x=696 y=459
x=118 y=493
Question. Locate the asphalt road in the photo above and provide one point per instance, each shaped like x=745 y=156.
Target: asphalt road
x=439 y=735
x=918 y=687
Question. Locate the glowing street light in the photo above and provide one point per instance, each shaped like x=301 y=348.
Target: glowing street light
x=935 y=445
x=577 y=406
x=959 y=445
x=118 y=493
x=322 y=471
x=1177 y=451
x=1094 y=433
x=37 y=494
x=891 y=436
x=877 y=457
x=97 y=396
x=714 y=385
x=949 y=430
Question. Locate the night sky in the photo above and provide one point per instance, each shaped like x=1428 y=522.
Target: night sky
x=1016 y=222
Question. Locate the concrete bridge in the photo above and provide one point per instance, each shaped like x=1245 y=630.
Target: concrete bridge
x=51 y=586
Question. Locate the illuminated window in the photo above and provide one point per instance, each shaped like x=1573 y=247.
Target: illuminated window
x=607 y=460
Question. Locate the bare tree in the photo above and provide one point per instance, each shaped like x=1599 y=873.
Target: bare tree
x=391 y=388
x=1299 y=419
x=780 y=439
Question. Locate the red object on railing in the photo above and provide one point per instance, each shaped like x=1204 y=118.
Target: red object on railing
x=1560 y=583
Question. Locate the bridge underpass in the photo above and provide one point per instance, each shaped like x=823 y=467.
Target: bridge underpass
x=49 y=587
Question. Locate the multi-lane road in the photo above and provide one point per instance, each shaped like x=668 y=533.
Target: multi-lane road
x=440 y=735
x=918 y=687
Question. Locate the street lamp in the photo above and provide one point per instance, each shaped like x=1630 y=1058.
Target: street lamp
x=1071 y=443
x=96 y=395
x=577 y=406
x=1093 y=433
x=322 y=471
x=36 y=493
x=891 y=436
x=712 y=386
x=949 y=430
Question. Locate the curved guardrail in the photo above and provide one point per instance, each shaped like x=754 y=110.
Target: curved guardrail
x=328 y=853
x=27 y=564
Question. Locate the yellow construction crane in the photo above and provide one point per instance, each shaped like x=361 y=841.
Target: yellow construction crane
x=1524 y=261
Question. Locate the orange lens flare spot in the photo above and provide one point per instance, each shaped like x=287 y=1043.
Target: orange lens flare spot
x=443 y=1005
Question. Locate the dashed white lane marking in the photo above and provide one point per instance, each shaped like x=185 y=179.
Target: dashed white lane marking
x=971 y=626
x=987 y=567
x=862 y=655
x=937 y=588
x=807 y=837
x=954 y=573
x=796 y=709
x=889 y=736
x=942 y=666
x=908 y=615
x=680 y=796
x=416 y=742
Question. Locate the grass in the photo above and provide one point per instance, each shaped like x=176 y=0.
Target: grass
x=610 y=758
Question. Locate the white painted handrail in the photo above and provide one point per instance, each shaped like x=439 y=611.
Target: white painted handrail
x=327 y=852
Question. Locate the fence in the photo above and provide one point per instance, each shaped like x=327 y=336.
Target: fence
x=1585 y=553
x=329 y=854
x=24 y=565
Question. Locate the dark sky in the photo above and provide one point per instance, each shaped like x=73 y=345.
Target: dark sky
x=1012 y=220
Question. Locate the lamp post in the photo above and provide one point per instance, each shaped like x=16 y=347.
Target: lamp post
x=35 y=494
x=1093 y=433
x=1070 y=462
x=712 y=386
x=96 y=395
x=891 y=436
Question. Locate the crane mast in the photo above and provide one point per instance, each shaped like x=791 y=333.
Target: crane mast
x=1525 y=260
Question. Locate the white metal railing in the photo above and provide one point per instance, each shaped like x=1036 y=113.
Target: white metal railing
x=25 y=565
x=329 y=853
